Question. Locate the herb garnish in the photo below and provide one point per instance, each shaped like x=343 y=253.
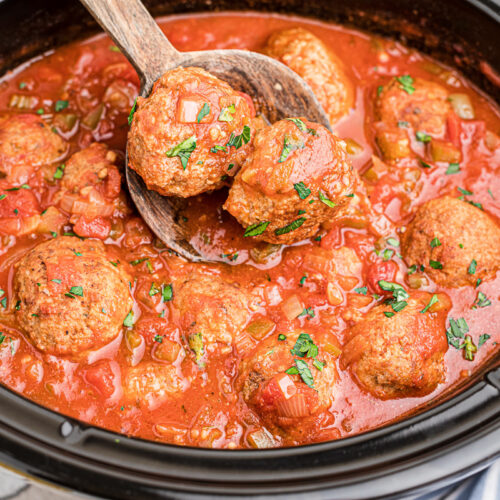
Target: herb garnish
x=183 y=150
x=237 y=140
x=406 y=83
x=167 y=293
x=204 y=111
x=481 y=301
x=324 y=199
x=433 y=300
x=399 y=294
x=435 y=243
x=226 y=114
x=435 y=264
x=302 y=190
x=453 y=168
x=58 y=174
x=363 y=290
x=60 y=105
x=132 y=111
x=302 y=126
x=472 y=267
x=129 y=320
x=423 y=137
x=290 y=145
x=256 y=229
x=290 y=227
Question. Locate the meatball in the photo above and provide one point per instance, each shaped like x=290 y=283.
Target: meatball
x=406 y=102
x=456 y=242
x=212 y=313
x=272 y=384
x=89 y=167
x=153 y=384
x=70 y=298
x=27 y=143
x=399 y=354
x=297 y=177
x=190 y=134
x=306 y=54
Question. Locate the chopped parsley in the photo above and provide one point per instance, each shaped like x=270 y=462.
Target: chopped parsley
x=22 y=85
x=482 y=339
x=303 y=280
x=237 y=140
x=290 y=145
x=453 y=168
x=433 y=300
x=481 y=301
x=290 y=227
x=167 y=293
x=423 y=137
x=435 y=264
x=58 y=174
x=2 y=197
x=393 y=242
x=40 y=111
x=129 y=320
x=204 y=111
x=114 y=48
x=302 y=190
x=132 y=111
x=399 y=296
x=153 y=290
x=301 y=368
x=158 y=338
x=305 y=347
x=363 y=290
x=76 y=290
x=226 y=114
x=256 y=229
x=136 y=262
x=435 y=243
x=281 y=337
x=60 y=105
x=183 y=150
x=302 y=126
x=324 y=199
x=380 y=88
x=406 y=83
x=472 y=267
x=308 y=311
x=424 y=164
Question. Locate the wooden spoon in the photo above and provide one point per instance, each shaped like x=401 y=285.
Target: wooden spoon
x=277 y=91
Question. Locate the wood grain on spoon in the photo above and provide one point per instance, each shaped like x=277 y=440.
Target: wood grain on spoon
x=277 y=92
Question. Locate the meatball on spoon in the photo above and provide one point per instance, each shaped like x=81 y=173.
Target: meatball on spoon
x=277 y=91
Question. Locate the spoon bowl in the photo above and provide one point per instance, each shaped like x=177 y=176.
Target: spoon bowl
x=276 y=90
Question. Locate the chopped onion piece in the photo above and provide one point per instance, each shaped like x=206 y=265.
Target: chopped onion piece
x=292 y=307
x=295 y=407
x=462 y=106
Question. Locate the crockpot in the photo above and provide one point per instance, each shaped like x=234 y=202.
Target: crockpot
x=455 y=437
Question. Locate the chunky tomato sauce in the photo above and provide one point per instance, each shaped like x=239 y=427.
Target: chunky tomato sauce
x=97 y=88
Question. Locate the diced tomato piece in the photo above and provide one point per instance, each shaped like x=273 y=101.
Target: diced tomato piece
x=19 y=203
x=332 y=239
x=103 y=376
x=136 y=233
x=453 y=124
x=113 y=183
x=97 y=227
x=151 y=326
x=380 y=271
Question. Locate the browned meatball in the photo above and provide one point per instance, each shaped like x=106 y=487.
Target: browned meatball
x=297 y=177
x=282 y=396
x=456 y=242
x=27 y=143
x=306 y=54
x=407 y=103
x=151 y=384
x=399 y=354
x=212 y=313
x=190 y=134
x=70 y=297
x=89 y=167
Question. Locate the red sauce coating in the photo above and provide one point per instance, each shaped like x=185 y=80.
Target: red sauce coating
x=99 y=87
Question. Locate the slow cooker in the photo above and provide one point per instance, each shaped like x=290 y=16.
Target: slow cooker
x=456 y=437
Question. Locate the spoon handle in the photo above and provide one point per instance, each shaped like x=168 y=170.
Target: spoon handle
x=137 y=35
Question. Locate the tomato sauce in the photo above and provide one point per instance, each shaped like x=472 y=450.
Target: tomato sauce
x=100 y=87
